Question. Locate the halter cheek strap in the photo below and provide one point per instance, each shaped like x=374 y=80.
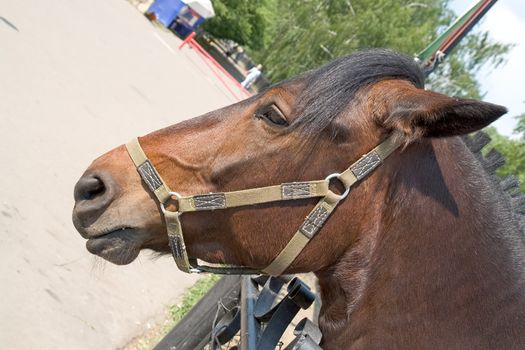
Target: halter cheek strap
x=152 y=178
x=286 y=191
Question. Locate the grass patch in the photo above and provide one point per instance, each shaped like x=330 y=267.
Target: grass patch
x=149 y=339
x=192 y=296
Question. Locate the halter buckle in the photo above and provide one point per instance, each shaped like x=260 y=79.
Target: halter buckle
x=172 y=194
x=336 y=176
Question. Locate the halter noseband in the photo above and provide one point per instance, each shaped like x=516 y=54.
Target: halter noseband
x=286 y=191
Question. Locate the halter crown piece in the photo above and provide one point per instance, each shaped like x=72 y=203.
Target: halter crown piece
x=286 y=191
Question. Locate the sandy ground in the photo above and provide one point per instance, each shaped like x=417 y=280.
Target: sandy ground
x=78 y=78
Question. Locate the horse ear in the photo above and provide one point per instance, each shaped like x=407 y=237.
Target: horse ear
x=421 y=113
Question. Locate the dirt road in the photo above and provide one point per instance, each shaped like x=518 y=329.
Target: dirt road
x=76 y=79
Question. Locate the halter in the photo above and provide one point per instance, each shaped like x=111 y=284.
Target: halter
x=286 y=191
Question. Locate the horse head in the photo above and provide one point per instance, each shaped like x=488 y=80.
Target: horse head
x=299 y=130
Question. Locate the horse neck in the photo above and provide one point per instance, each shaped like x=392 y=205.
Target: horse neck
x=440 y=257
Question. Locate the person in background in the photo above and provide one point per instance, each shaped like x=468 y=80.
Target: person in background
x=252 y=76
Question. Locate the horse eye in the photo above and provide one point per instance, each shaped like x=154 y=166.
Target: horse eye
x=272 y=114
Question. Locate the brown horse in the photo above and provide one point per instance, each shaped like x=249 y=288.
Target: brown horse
x=426 y=252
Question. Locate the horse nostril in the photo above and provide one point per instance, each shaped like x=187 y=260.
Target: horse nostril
x=93 y=193
x=89 y=187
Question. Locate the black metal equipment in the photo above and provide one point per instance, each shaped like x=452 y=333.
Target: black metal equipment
x=257 y=315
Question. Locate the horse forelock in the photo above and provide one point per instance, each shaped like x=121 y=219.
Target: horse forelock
x=330 y=89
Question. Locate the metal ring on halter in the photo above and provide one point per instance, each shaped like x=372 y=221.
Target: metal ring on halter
x=172 y=194
x=336 y=176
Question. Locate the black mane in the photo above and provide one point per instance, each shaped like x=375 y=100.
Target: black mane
x=332 y=87
x=509 y=187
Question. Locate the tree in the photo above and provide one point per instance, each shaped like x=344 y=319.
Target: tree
x=243 y=21
x=308 y=33
x=520 y=128
x=513 y=149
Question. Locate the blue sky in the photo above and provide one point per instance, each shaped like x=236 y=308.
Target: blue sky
x=505 y=85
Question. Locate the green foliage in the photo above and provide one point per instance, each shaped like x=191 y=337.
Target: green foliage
x=243 y=21
x=512 y=149
x=192 y=296
x=291 y=36
x=308 y=33
x=520 y=128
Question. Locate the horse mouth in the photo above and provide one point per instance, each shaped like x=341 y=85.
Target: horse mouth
x=119 y=246
x=120 y=229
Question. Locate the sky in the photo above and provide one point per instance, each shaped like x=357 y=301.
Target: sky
x=504 y=85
